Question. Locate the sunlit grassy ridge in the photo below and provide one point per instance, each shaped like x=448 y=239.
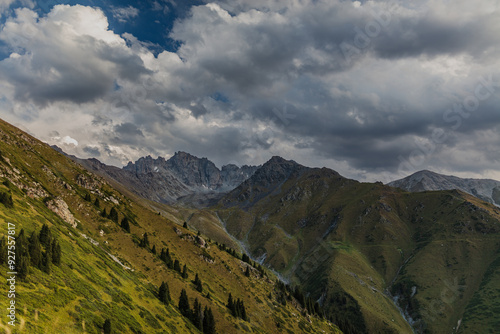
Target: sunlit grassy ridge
x=90 y=286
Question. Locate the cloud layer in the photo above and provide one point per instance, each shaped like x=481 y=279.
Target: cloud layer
x=371 y=89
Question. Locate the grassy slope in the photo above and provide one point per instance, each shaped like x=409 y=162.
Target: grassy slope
x=89 y=286
x=438 y=243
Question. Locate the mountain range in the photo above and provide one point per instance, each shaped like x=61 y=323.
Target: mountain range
x=123 y=267
x=487 y=190
x=369 y=257
x=183 y=178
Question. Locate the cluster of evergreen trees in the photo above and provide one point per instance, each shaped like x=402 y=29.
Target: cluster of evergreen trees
x=285 y=292
x=40 y=250
x=171 y=264
x=204 y=321
x=244 y=257
x=237 y=307
x=113 y=214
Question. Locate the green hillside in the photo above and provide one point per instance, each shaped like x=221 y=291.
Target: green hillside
x=358 y=246
x=108 y=273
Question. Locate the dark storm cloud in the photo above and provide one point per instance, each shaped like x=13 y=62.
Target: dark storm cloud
x=93 y=151
x=429 y=35
x=364 y=83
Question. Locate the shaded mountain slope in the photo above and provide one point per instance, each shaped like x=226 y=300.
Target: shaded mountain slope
x=363 y=244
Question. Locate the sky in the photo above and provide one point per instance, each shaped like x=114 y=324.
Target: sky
x=375 y=90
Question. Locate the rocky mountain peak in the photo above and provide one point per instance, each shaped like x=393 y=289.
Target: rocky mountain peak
x=425 y=180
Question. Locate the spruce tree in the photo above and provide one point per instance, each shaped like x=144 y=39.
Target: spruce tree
x=243 y=312
x=22 y=266
x=56 y=253
x=208 y=321
x=47 y=260
x=3 y=251
x=197 y=315
x=45 y=236
x=107 y=326
x=247 y=272
x=177 y=266
x=104 y=214
x=198 y=284
x=230 y=304
x=125 y=224
x=184 y=304
x=113 y=215
x=153 y=250
x=144 y=241
x=97 y=204
x=164 y=293
x=88 y=198
x=35 y=250
x=22 y=245
x=184 y=272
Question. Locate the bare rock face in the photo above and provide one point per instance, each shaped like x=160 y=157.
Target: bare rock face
x=88 y=182
x=59 y=207
x=195 y=172
x=182 y=178
x=201 y=242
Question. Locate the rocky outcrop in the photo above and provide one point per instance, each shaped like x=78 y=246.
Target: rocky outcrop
x=59 y=207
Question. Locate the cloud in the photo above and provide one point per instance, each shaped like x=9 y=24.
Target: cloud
x=354 y=85
x=123 y=14
x=69 y=55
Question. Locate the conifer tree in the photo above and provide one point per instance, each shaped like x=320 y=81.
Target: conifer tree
x=22 y=245
x=3 y=251
x=45 y=236
x=107 y=326
x=197 y=315
x=184 y=304
x=230 y=304
x=153 y=250
x=247 y=272
x=104 y=214
x=22 y=266
x=164 y=293
x=198 y=284
x=56 y=253
x=47 y=260
x=113 y=215
x=125 y=224
x=35 y=250
x=177 y=266
x=184 y=272
x=208 y=321
x=242 y=311
x=97 y=204
x=88 y=198
x=185 y=225
x=144 y=241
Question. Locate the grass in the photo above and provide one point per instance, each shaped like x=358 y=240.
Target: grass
x=90 y=286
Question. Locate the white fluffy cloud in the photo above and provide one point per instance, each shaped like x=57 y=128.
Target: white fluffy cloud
x=353 y=85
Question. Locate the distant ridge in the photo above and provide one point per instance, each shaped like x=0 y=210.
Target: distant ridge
x=183 y=177
x=485 y=189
